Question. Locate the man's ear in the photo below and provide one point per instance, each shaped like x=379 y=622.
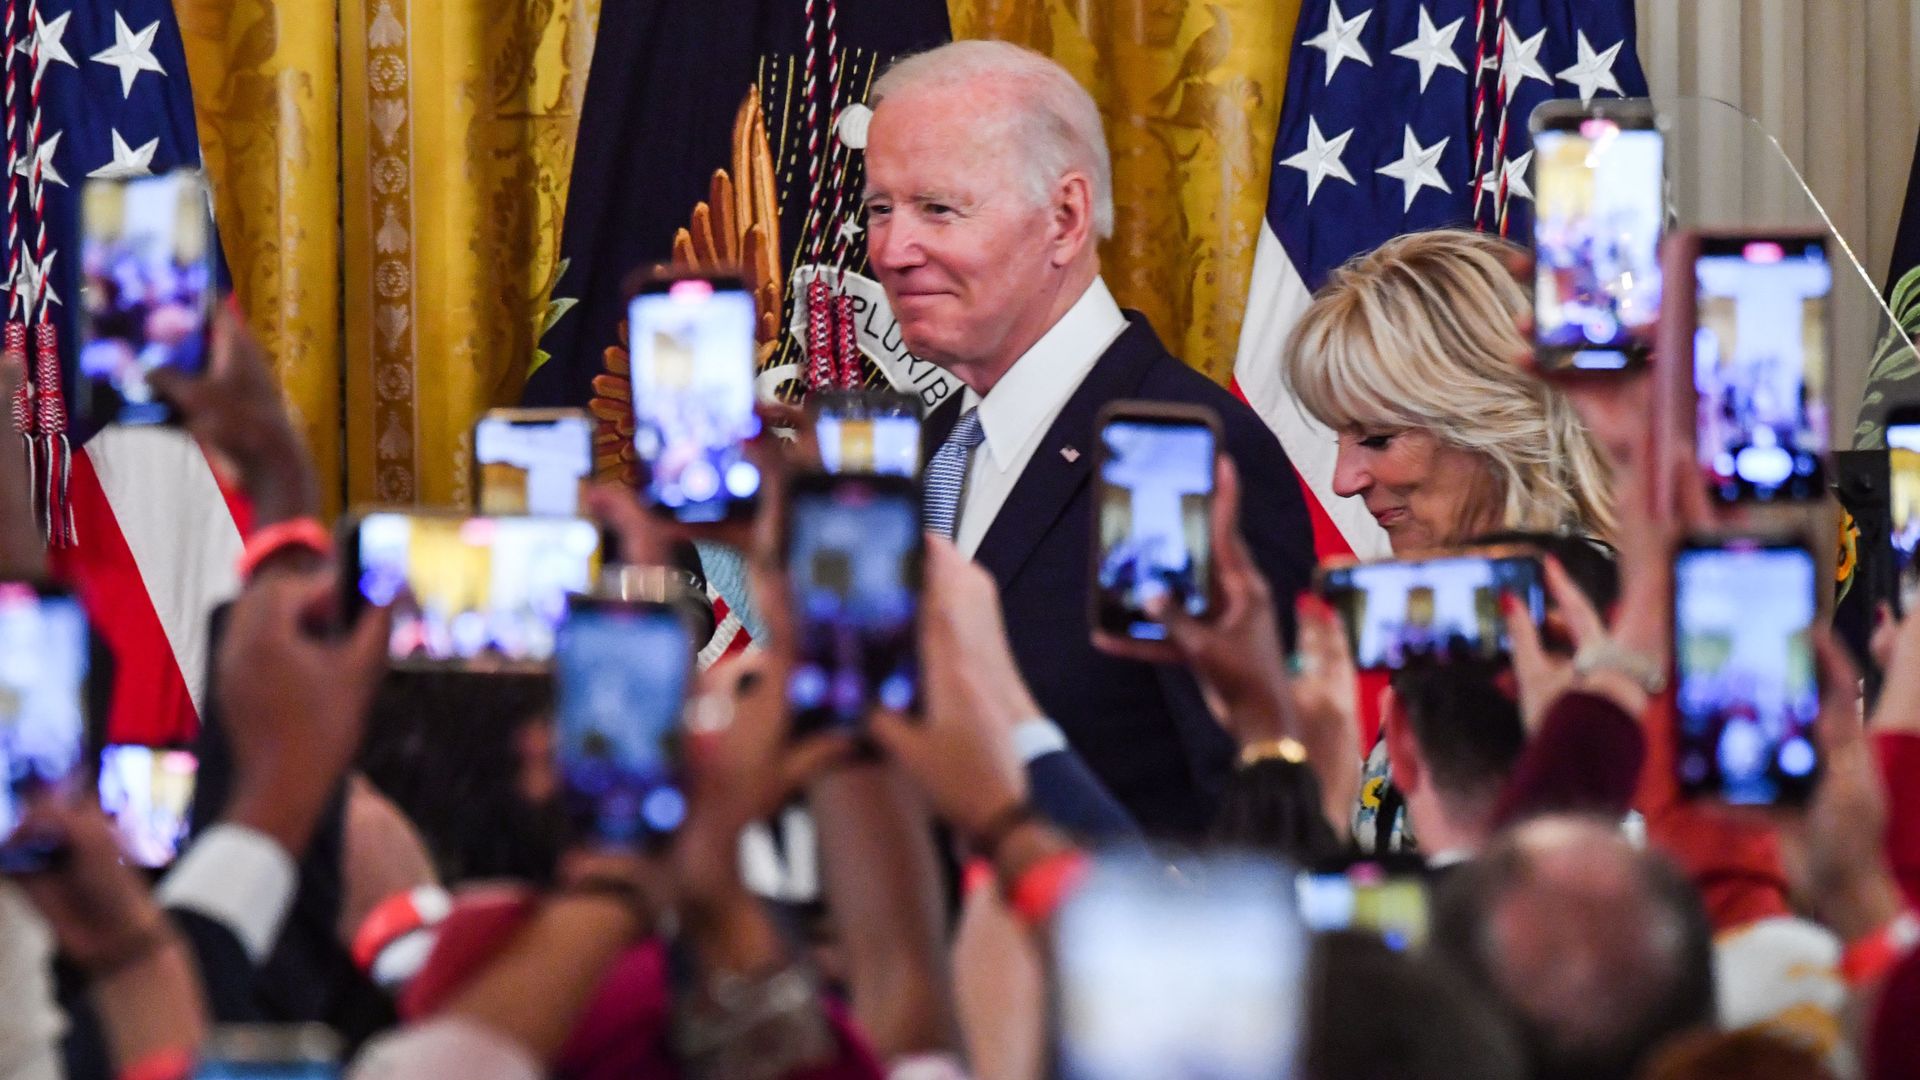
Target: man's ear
x=1404 y=762
x=1071 y=218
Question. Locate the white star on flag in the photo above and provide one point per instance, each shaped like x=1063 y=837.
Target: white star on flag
x=32 y=281
x=1321 y=158
x=42 y=158
x=850 y=230
x=132 y=53
x=1523 y=59
x=1594 y=71
x=1418 y=167
x=1433 y=49
x=127 y=162
x=1341 y=39
x=1515 y=173
x=47 y=42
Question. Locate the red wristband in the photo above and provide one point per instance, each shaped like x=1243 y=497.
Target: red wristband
x=1044 y=886
x=392 y=921
x=265 y=543
x=167 y=1063
x=1867 y=958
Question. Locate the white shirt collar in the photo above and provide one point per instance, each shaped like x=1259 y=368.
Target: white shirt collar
x=1037 y=386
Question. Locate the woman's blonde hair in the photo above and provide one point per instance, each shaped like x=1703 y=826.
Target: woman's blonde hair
x=1419 y=334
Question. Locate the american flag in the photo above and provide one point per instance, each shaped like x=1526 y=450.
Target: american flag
x=139 y=526
x=1401 y=116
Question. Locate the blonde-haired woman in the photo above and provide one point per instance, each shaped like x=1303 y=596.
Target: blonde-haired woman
x=1408 y=354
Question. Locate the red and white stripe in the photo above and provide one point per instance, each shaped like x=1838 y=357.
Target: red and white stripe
x=1276 y=299
x=159 y=540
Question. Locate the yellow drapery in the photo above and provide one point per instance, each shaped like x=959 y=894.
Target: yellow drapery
x=266 y=97
x=457 y=125
x=389 y=179
x=1190 y=91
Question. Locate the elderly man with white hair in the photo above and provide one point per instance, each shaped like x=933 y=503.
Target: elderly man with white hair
x=989 y=188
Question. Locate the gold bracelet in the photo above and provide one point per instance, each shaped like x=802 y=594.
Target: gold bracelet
x=1282 y=749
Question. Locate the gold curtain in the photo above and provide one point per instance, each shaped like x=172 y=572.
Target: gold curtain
x=1190 y=91
x=457 y=126
x=389 y=179
x=266 y=97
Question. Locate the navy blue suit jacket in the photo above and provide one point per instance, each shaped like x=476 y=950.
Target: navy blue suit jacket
x=1144 y=729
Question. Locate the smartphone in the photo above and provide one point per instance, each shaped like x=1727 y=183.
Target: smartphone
x=147 y=288
x=1903 y=504
x=1600 y=200
x=854 y=556
x=269 y=1052
x=1433 y=608
x=44 y=655
x=532 y=461
x=621 y=675
x=868 y=431
x=1195 y=974
x=147 y=792
x=692 y=350
x=1747 y=693
x=1365 y=896
x=480 y=593
x=1761 y=354
x=1153 y=492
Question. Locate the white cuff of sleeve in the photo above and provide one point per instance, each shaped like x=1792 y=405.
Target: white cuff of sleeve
x=1036 y=738
x=448 y=1046
x=239 y=878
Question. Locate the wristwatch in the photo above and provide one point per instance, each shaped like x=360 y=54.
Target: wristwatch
x=1642 y=670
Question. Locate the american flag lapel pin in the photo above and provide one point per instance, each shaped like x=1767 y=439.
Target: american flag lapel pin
x=1070 y=454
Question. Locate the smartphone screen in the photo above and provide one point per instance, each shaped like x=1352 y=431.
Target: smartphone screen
x=876 y=434
x=692 y=348
x=147 y=792
x=532 y=461
x=1366 y=897
x=291 y=1068
x=1180 y=976
x=482 y=593
x=1432 y=610
x=853 y=560
x=621 y=679
x=1760 y=357
x=1154 y=498
x=1599 y=199
x=147 y=263
x=269 y=1052
x=43 y=674
x=1747 y=692
x=1903 y=470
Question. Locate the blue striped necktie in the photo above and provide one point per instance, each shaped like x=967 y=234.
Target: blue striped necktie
x=946 y=474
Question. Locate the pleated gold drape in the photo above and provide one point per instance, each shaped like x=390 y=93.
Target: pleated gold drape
x=389 y=178
x=1190 y=91
x=266 y=96
x=457 y=129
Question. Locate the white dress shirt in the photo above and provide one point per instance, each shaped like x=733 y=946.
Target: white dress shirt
x=1016 y=414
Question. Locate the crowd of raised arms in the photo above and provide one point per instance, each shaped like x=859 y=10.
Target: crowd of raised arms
x=1620 y=806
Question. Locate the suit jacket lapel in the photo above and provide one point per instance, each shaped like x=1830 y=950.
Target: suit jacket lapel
x=1063 y=459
